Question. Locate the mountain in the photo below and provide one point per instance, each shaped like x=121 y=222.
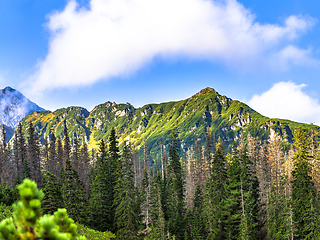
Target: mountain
x=13 y=107
x=153 y=123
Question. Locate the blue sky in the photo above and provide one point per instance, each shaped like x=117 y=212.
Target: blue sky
x=266 y=53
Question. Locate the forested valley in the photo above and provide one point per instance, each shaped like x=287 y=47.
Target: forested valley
x=260 y=190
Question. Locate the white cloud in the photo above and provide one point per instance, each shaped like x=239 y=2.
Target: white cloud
x=288 y=101
x=118 y=37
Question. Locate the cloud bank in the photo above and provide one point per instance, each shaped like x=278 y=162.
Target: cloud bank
x=118 y=37
x=287 y=100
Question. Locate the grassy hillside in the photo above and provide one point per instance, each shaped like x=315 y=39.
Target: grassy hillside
x=190 y=118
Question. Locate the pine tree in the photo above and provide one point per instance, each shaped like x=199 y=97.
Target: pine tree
x=101 y=193
x=84 y=166
x=45 y=153
x=33 y=155
x=304 y=204
x=198 y=224
x=52 y=194
x=158 y=229
x=20 y=152
x=75 y=162
x=124 y=199
x=66 y=144
x=232 y=206
x=26 y=173
x=249 y=198
x=73 y=194
x=59 y=158
x=215 y=194
x=279 y=221
x=145 y=199
x=175 y=191
x=52 y=164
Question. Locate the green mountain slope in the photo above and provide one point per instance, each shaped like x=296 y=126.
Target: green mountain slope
x=153 y=123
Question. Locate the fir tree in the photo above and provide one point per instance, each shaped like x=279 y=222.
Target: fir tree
x=198 y=224
x=26 y=170
x=279 y=224
x=101 y=190
x=304 y=204
x=66 y=144
x=52 y=164
x=73 y=194
x=249 y=198
x=84 y=166
x=52 y=194
x=158 y=229
x=33 y=155
x=145 y=199
x=126 y=218
x=59 y=159
x=215 y=194
x=232 y=206
x=175 y=191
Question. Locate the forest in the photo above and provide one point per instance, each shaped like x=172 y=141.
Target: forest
x=260 y=190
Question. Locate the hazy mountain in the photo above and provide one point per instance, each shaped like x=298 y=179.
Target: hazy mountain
x=190 y=118
x=13 y=107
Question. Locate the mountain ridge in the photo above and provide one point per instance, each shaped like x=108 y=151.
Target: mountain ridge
x=152 y=123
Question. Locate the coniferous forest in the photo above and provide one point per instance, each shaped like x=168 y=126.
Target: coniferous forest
x=259 y=190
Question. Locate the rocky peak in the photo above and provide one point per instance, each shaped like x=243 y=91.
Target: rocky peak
x=14 y=106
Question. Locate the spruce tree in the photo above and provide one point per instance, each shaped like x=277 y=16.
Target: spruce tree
x=73 y=194
x=215 y=194
x=52 y=164
x=304 y=204
x=33 y=155
x=20 y=152
x=249 y=198
x=84 y=166
x=26 y=170
x=126 y=218
x=66 y=144
x=59 y=159
x=198 y=224
x=175 y=191
x=232 y=206
x=158 y=229
x=52 y=194
x=279 y=207
x=144 y=200
x=101 y=190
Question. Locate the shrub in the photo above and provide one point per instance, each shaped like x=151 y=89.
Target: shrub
x=29 y=224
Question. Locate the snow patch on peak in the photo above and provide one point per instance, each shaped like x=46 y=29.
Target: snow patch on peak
x=14 y=106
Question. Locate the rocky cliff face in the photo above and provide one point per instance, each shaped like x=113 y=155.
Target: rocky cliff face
x=13 y=107
x=189 y=118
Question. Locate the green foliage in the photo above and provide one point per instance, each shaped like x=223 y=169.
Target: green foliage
x=101 y=201
x=175 y=197
x=215 y=194
x=304 y=201
x=226 y=118
x=29 y=224
x=52 y=194
x=91 y=234
x=5 y=211
x=73 y=194
x=127 y=219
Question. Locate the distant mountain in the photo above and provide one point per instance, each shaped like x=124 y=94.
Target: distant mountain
x=226 y=118
x=13 y=107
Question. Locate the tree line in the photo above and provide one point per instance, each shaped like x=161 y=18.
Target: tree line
x=258 y=191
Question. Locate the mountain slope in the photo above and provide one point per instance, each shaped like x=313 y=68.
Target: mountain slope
x=13 y=107
x=153 y=123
